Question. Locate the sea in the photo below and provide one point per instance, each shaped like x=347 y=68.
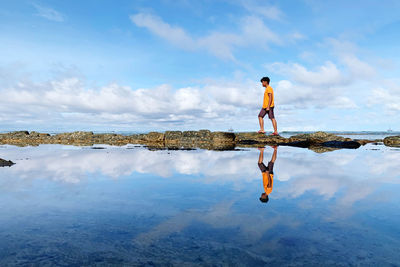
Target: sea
x=130 y=206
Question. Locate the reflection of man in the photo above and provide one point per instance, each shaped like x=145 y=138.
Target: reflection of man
x=267 y=173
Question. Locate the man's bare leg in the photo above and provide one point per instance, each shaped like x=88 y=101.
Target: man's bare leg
x=261 y=121
x=273 y=158
x=275 y=126
x=261 y=156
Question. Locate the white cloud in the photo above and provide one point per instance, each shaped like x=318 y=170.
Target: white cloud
x=326 y=75
x=388 y=97
x=156 y=25
x=346 y=54
x=209 y=104
x=260 y=8
x=300 y=96
x=298 y=171
x=332 y=84
x=69 y=100
x=219 y=44
x=49 y=13
x=357 y=67
x=221 y=215
x=252 y=32
x=70 y=165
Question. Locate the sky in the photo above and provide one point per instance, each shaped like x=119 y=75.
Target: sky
x=188 y=65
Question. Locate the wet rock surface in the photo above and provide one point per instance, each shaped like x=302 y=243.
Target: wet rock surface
x=205 y=139
x=393 y=141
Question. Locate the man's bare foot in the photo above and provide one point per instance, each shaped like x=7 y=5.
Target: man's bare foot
x=274 y=134
x=260 y=148
x=261 y=131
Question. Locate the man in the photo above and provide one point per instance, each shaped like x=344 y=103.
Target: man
x=267 y=173
x=267 y=107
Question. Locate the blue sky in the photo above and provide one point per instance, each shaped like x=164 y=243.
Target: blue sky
x=158 y=65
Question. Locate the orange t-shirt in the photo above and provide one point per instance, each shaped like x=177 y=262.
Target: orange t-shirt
x=268 y=182
x=268 y=90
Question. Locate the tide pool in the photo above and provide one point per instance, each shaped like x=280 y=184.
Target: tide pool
x=66 y=205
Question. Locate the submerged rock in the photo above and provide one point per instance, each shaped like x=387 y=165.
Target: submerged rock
x=6 y=163
x=393 y=141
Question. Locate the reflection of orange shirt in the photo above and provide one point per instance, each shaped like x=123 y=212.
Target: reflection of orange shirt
x=268 y=90
x=268 y=182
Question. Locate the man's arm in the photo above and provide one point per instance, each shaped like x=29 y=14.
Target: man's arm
x=269 y=100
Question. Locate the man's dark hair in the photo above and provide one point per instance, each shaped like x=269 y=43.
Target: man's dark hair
x=264 y=200
x=265 y=79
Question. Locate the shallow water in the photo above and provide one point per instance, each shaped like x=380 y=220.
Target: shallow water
x=70 y=205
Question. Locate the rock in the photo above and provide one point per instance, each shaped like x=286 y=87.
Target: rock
x=20 y=133
x=79 y=135
x=36 y=134
x=196 y=136
x=203 y=139
x=257 y=138
x=154 y=137
x=223 y=137
x=393 y=141
x=322 y=139
x=317 y=137
x=173 y=135
x=136 y=138
x=16 y=134
x=172 y=139
x=204 y=133
x=6 y=163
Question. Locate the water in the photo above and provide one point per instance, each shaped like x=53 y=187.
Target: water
x=66 y=205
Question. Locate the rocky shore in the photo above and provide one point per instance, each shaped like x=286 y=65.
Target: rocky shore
x=205 y=139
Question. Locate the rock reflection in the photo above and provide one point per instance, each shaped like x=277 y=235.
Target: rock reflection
x=6 y=163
